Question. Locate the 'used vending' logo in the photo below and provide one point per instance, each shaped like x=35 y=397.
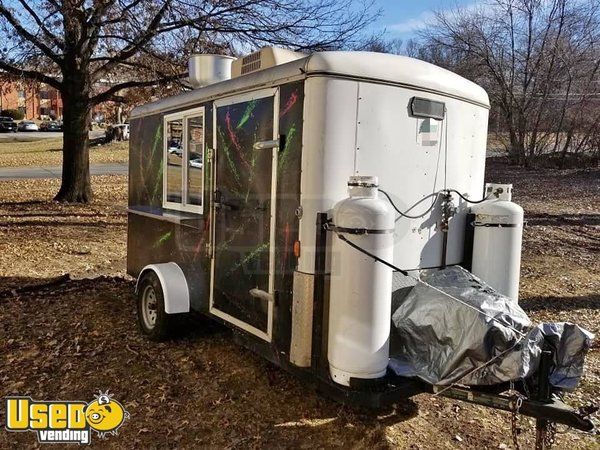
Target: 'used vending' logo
x=65 y=422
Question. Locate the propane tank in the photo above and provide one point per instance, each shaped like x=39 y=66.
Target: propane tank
x=498 y=233
x=361 y=289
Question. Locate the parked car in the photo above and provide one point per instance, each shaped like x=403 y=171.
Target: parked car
x=121 y=131
x=7 y=124
x=175 y=147
x=195 y=160
x=27 y=125
x=51 y=125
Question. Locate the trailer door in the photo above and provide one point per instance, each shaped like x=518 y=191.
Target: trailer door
x=246 y=141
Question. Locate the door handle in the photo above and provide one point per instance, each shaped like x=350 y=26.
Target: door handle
x=262 y=295
x=264 y=207
x=263 y=145
x=226 y=206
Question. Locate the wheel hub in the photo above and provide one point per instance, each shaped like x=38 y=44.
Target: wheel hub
x=149 y=307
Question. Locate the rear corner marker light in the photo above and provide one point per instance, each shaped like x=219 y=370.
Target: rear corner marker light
x=425 y=108
x=297 y=249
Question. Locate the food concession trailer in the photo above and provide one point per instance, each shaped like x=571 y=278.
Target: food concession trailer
x=306 y=200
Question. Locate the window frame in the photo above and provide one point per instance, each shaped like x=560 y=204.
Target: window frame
x=183 y=116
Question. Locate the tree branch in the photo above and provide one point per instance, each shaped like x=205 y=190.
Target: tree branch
x=31 y=74
x=20 y=29
x=136 y=44
x=41 y=25
x=110 y=92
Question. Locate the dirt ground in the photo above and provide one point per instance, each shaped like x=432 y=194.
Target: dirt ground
x=69 y=340
x=48 y=152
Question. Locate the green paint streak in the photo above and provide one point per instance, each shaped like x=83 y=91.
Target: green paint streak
x=157 y=145
x=247 y=113
x=159 y=181
x=230 y=161
x=164 y=238
x=286 y=150
x=250 y=177
x=158 y=139
x=223 y=245
x=249 y=257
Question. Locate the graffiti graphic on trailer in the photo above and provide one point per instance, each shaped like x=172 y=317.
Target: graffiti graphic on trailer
x=243 y=216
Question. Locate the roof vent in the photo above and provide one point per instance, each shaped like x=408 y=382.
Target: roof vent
x=263 y=59
x=205 y=69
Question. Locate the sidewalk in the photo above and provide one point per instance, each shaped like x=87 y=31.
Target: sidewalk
x=13 y=173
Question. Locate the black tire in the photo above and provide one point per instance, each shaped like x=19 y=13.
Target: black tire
x=162 y=326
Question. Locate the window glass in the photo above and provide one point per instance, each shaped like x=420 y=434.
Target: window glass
x=174 y=136
x=195 y=145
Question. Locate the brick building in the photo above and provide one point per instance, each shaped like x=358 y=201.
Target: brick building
x=36 y=101
x=40 y=101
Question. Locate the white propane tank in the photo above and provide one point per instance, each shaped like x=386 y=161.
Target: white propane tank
x=361 y=289
x=497 y=240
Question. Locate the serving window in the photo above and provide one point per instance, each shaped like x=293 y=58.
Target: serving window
x=183 y=168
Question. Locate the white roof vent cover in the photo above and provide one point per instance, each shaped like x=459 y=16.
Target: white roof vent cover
x=263 y=59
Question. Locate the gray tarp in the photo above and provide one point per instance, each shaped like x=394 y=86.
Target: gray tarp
x=445 y=340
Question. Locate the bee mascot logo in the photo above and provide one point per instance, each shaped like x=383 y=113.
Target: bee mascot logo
x=66 y=421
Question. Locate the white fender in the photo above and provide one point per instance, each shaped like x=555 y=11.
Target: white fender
x=174 y=286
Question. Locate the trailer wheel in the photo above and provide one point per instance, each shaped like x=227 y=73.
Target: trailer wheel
x=152 y=318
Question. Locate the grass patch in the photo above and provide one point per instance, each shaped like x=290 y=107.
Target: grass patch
x=21 y=145
x=48 y=152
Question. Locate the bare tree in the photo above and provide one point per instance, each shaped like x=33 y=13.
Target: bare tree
x=380 y=44
x=74 y=44
x=538 y=60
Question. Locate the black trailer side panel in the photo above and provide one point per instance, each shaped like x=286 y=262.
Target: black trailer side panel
x=154 y=241
x=288 y=203
x=156 y=235
x=145 y=162
x=242 y=216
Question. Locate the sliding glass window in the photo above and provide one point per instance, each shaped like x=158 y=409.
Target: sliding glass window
x=183 y=175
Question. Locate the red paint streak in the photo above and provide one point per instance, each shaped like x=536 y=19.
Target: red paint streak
x=202 y=239
x=286 y=246
x=235 y=141
x=289 y=104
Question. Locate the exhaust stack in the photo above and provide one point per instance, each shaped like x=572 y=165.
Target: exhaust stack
x=206 y=69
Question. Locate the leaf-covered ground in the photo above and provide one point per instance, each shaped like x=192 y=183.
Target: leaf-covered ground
x=68 y=340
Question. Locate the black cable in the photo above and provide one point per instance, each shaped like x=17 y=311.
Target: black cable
x=467 y=200
x=376 y=258
x=403 y=214
x=430 y=267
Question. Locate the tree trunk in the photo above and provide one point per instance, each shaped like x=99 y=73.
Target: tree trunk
x=76 y=186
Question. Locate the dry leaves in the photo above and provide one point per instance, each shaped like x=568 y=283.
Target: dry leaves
x=66 y=341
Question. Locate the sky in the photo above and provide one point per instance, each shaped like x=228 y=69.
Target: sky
x=402 y=18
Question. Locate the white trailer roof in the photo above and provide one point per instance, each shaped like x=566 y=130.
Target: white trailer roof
x=368 y=66
x=398 y=70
